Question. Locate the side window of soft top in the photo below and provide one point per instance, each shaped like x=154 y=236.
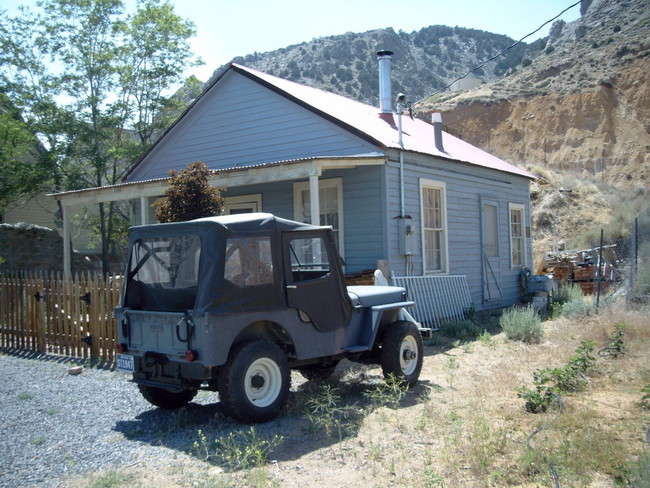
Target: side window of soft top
x=309 y=258
x=249 y=261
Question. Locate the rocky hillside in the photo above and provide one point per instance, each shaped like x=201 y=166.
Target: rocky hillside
x=580 y=105
x=423 y=61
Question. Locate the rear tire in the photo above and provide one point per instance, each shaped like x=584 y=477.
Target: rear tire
x=254 y=384
x=401 y=352
x=163 y=398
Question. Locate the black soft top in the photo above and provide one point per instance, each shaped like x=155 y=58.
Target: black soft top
x=214 y=293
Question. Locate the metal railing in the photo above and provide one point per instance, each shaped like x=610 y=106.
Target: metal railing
x=438 y=298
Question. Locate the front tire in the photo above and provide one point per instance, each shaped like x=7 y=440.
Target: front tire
x=401 y=352
x=254 y=384
x=163 y=398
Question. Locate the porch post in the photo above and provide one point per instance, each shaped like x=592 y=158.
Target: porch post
x=67 y=248
x=144 y=211
x=314 y=200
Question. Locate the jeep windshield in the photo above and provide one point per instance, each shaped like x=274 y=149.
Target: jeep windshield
x=163 y=273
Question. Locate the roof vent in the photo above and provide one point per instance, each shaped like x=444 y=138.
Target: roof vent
x=436 y=119
x=385 y=103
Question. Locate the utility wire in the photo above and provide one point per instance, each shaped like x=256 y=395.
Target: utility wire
x=502 y=52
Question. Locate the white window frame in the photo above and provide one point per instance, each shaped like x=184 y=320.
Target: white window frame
x=251 y=202
x=518 y=207
x=444 y=251
x=302 y=186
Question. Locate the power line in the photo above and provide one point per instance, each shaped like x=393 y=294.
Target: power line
x=502 y=52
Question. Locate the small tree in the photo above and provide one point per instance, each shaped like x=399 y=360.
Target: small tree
x=189 y=195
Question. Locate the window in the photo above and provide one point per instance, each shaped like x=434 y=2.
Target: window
x=163 y=273
x=330 y=202
x=308 y=259
x=434 y=226
x=243 y=204
x=248 y=261
x=490 y=230
x=517 y=235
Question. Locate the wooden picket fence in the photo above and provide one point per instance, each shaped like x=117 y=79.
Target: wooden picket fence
x=69 y=317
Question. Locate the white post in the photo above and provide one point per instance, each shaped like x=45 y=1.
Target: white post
x=314 y=200
x=144 y=211
x=67 y=248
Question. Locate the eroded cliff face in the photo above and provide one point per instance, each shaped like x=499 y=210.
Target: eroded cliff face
x=582 y=104
x=603 y=131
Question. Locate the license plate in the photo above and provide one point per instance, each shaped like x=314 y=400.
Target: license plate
x=125 y=363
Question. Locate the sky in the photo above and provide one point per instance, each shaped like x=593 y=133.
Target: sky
x=230 y=28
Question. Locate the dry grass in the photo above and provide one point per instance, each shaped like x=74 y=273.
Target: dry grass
x=463 y=424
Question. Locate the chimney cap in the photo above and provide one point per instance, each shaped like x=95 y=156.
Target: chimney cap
x=383 y=53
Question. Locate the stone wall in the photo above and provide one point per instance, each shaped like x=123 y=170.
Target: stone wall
x=31 y=247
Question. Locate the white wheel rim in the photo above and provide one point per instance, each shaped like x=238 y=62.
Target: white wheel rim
x=263 y=382
x=408 y=355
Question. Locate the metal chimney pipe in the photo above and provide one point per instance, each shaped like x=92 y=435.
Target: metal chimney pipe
x=436 y=119
x=385 y=102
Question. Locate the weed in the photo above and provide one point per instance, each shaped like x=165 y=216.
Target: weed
x=522 y=324
x=25 y=395
x=486 y=338
x=577 y=309
x=645 y=399
x=238 y=450
x=452 y=366
x=551 y=382
x=615 y=348
x=110 y=479
x=245 y=449
x=566 y=293
x=37 y=440
x=463 y=330
x=324 y=412
x=387 y=393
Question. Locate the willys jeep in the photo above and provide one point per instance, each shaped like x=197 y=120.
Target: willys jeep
x=233 y=303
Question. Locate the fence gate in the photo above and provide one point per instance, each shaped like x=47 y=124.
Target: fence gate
x=47 y=313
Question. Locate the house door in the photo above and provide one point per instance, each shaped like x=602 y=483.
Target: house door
x=314 y=283
x=492 y=287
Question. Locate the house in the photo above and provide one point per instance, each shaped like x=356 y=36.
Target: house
x=395 y=189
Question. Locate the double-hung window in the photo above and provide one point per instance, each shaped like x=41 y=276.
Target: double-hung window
x=517 y=235
x=330 y=200
x=434 y=226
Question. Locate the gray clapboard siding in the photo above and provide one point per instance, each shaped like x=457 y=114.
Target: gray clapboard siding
x=463 y=188
x=242 y=123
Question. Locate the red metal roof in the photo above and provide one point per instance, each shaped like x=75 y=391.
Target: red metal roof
x=417 y=135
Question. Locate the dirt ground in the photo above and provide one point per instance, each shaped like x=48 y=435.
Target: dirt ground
x=461 y=425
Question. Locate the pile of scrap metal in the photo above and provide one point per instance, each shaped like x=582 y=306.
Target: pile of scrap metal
x=586 y=268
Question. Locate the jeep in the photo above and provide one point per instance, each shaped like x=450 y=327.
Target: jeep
x=233 y=303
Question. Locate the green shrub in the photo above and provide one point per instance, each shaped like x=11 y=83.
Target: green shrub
x=566 y=293
x=577 y=308
x=522 y=324
x=464 y=329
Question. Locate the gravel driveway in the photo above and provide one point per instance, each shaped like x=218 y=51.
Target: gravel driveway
x=56 y=425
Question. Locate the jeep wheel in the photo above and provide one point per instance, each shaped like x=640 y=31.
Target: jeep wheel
x=254 y=385
x=401 y=352
x=163 y=398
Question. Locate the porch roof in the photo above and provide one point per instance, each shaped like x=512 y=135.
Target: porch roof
x=228 y=177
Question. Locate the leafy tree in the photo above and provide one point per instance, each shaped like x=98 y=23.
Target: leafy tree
x=96 y=106
x=20 y=175
x=189 y=195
